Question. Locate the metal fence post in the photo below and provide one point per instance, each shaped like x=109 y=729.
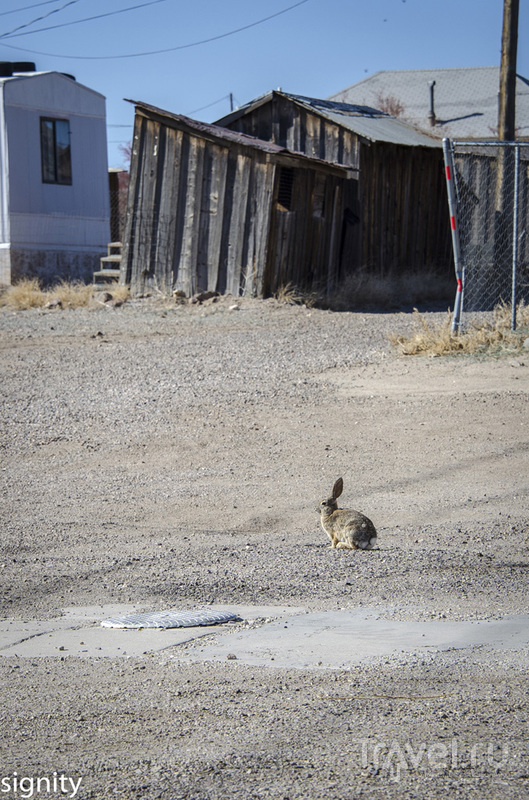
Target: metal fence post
x=452 y=205
x=515 y=235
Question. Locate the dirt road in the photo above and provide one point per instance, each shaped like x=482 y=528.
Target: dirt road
x=173 y=457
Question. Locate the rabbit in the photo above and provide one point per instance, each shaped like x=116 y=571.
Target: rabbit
x=346 y=528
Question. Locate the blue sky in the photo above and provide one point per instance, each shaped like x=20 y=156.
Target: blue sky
x=311 y=47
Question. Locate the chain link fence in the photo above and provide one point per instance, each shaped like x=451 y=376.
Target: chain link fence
x=488 y=188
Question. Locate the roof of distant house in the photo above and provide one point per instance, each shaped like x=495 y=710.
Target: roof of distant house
x=364 y=120
x=29 y=75
x=465 y=100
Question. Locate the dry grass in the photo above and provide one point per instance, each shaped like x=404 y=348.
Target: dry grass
x=72 y=295
x=291 y=295
x=492 y=337
x=27 y=293
x=365 y=289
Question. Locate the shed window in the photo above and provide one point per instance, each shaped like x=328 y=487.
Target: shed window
x=55 y=151
x=284 y=191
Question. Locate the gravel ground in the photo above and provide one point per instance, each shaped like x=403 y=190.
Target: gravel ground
x=173 y=456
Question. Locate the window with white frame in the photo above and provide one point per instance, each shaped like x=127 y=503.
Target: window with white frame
x=55 y=151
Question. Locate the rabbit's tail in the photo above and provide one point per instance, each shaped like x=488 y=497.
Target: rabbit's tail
x=367 y=545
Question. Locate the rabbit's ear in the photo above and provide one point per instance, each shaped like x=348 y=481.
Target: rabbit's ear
x=337 y=489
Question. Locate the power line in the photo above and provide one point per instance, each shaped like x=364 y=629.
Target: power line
x=195 y=111
x=209 y=105
x=26 y=8
x=167 y=49
x=38 y=19
x=77 y=21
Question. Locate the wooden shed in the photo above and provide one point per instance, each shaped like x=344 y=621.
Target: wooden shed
x=403 y=221
x=213 y=209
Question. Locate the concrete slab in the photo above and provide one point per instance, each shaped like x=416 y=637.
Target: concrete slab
x=78 y=632
x=344 y=638
x=281 y=636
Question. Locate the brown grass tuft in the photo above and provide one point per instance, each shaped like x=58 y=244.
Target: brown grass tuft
x=27 y=293
x=492 y=337
x=24 y=294
x=71 y=295
x=291 y=295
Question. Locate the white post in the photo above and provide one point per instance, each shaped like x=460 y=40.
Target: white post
x=452 y=206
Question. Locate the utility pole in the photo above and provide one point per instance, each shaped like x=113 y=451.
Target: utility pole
x=509 y=46
x=505 y=174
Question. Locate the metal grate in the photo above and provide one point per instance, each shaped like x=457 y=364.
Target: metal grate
x=170 y=619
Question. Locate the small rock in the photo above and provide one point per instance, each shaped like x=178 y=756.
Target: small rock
x=231 y=657
x=56 y=302
x=526 y=344
x=203 y=296
x=104 y=297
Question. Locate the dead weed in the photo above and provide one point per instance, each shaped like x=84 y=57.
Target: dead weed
x=438 y=339
x=28 y=293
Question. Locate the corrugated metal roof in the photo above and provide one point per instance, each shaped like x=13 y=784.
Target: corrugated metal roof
x=364 y=120
x=465 y=100
x=220 y=134
x=370 y=123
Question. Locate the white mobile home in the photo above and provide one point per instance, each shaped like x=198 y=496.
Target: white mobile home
x=54 y=196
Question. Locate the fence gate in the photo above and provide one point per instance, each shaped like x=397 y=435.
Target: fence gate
x=488 y=191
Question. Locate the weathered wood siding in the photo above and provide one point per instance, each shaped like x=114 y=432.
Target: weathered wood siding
x=401 y=212
x=306 y=243
x=198 y=214
x=405 y=223
x=205 y=213
x=292 y=126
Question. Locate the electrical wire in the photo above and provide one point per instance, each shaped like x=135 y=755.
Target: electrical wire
x=77 y=21
x=195 y=111
x=26 y=8
x=165 y=50
x=209 y=105
x=37 y=19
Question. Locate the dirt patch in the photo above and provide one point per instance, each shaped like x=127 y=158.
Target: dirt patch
x=159 y=457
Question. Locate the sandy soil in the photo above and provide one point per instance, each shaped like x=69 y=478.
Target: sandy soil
x=174 y=457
